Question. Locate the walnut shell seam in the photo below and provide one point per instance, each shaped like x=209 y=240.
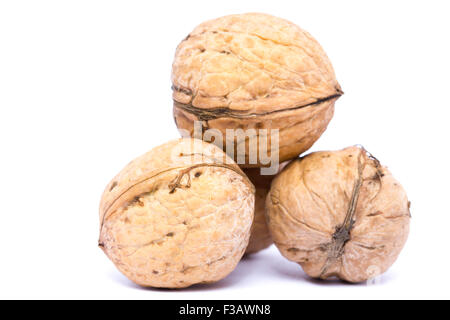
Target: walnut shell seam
x=174 y=184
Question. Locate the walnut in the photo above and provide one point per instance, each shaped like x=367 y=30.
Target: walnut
x=255 y=71
x=260 y=236
x=178 y=215
x=338 y=214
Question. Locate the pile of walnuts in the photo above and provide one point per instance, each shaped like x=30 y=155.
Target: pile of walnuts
x=186 y=212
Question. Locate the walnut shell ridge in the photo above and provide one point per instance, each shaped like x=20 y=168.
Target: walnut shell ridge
x=177 y=216
x=338 y=214
x=255 y=71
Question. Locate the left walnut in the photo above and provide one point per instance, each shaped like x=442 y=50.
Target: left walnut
x=177 y=216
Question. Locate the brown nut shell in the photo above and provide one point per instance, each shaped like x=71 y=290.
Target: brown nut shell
x=255 y=71
x=260 y=235
x=339 y=213
x=178 y=215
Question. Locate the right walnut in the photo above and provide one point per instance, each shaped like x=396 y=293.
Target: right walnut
x=338 y=214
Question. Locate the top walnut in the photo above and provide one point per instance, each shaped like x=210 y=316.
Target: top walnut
x=255 y=71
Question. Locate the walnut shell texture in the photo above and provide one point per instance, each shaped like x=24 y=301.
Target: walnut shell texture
x=339 y=214
x=178 y=215
x=260 y=235
x=255 y=71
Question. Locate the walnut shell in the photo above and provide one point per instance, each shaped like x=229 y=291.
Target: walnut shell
x=255 y=71
x=259 y=235
x=338 y=214
x=178 y=215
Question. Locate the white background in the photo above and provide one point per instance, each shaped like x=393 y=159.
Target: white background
x=85 y=88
